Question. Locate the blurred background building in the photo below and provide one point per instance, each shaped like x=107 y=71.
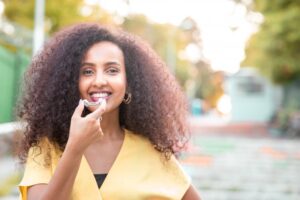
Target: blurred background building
x=253 y=97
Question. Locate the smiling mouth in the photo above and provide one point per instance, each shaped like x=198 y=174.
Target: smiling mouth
x=96 y=96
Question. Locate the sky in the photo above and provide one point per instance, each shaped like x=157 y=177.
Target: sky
x=223 y=25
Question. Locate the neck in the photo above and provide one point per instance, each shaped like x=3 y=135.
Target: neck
x=111 y=126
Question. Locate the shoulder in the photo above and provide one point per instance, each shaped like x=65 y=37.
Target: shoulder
x=137 y=138
x=142 y=149
x=153 y=166
x=43 y=153
x=137 y=142
x=40 y=164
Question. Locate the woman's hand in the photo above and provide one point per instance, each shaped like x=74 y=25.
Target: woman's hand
x=84 y=130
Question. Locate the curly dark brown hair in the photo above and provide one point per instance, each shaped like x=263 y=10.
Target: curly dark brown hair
x=158 y=108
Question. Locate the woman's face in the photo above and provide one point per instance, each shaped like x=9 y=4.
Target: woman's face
x=103 y=75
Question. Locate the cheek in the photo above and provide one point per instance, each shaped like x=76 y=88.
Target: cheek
x=82 y=86
x=124 y=84
x=120 y=89
x=121 y=85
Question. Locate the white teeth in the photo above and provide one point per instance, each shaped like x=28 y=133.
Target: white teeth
x=99 y=95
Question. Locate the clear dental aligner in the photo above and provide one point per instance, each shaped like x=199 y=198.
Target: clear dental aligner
x=88 y=103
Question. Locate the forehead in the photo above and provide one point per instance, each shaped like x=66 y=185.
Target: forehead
x=104 y=49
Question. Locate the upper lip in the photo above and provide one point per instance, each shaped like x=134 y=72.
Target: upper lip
x=93 y=92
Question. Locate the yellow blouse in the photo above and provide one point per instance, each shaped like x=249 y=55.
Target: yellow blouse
x=139 y=172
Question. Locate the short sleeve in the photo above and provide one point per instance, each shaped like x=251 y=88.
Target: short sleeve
x=37 y=169
x=180 y=177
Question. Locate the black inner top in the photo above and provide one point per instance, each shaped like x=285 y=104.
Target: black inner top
x=100 y=179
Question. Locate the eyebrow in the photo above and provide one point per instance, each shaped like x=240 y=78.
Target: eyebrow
x=107 y=63
x=87 y=64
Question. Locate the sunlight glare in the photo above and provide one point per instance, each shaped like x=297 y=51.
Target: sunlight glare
x=224 y=104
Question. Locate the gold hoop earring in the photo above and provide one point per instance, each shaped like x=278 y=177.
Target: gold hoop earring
x=127 y=98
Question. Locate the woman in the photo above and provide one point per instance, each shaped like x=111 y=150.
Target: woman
x=120 y=149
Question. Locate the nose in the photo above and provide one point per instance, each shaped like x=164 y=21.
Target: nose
x=99 y=79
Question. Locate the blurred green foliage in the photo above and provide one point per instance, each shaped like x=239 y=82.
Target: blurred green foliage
x=58 y=13
x=275 y=48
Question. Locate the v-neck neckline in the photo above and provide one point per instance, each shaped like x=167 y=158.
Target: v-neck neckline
x=115 y=163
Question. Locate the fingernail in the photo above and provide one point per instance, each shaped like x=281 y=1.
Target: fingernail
x=80 y=101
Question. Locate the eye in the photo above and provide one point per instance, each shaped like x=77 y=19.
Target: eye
x=112 y=70
x=87 y=72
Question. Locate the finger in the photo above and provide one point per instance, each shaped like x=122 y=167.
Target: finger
x=79 y=109
x=101 y=132
x=99 y=111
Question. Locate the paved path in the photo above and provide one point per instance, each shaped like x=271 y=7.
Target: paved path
x=244 y=168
